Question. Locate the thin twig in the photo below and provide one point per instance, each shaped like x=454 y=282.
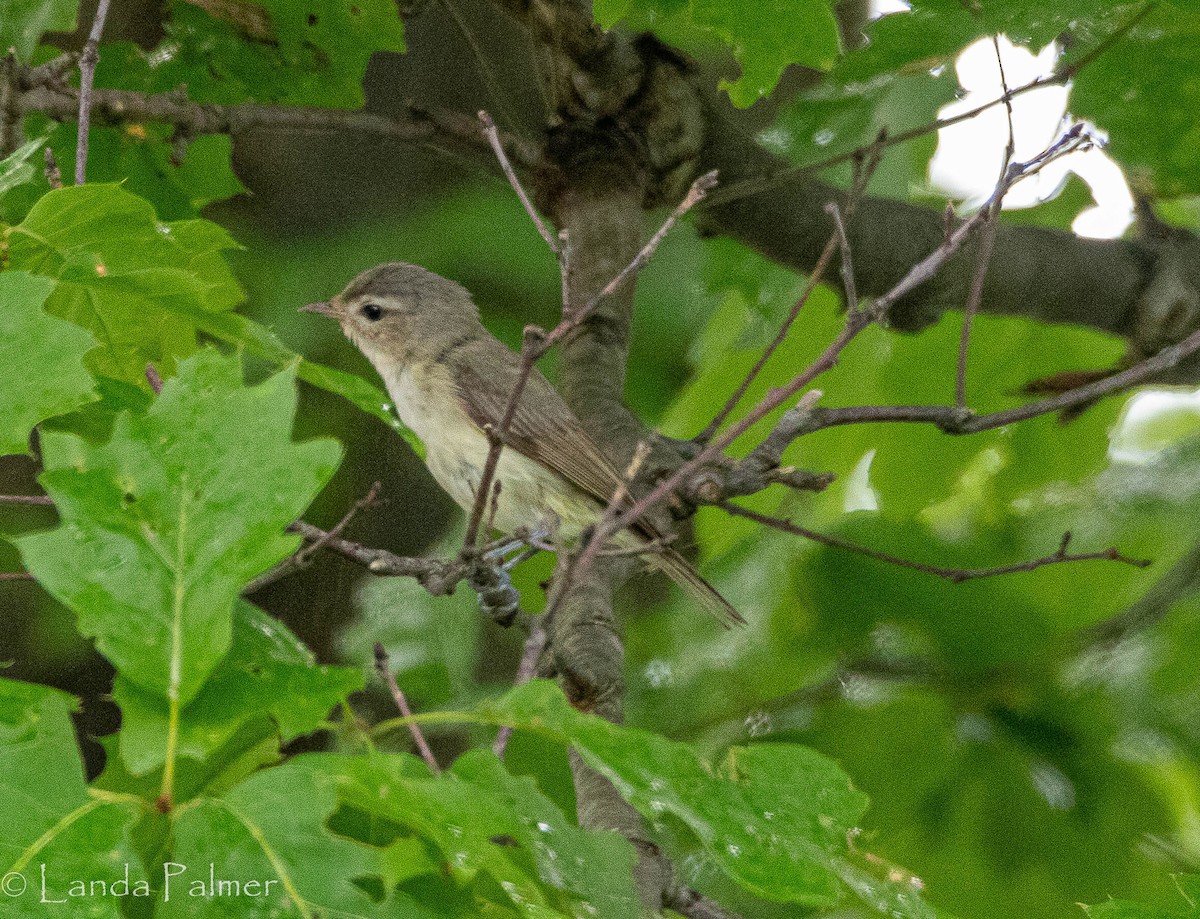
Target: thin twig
x=955 y=575
x=814 y=279
x=758 y=184
x=385 y=671
x=620 y=494
x=565 y=268
x=27 y=499
x=53 y=173
x=438 y=576
x=856 y=321
x=493 y=138
x=987 y=241
x=696 y=193
x=422 y=125
x=15 y=576
x=10 y=116
x=953 y=420
x=536 y=342
x=535 y=643
x=87 y=77
x=847 y=266
x=303 y=558
x=1181 y=582
x=154 y=379
x=864 y=168
x=495 y=436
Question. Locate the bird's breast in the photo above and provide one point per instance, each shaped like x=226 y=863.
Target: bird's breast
x=456 y=452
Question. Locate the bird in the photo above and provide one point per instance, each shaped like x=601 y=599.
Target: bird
x=450 y=380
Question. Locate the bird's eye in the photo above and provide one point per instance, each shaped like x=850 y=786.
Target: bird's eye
x=372 y=311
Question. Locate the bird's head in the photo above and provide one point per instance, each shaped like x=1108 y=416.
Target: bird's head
x=401 y=312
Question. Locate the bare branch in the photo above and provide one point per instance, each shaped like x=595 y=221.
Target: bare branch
x=736 y=396
x=758 y=184
x=415 y=124
x=10 y=117
x=438 y=576
x=696 y=193
x=493 y=138
x=955 y=575
x=987 y=240
x=694 y=905
x=953 y=420
x=537 y=342
x=534 y=645
x=856 y=320
x=87 y=76
x=53 y=173
x=154 y=379
x=847 y=268
x=43 y=500
x=385 y=671
x=303 y=558
x=865 y=167
x=15 y=576
x=1182 y=581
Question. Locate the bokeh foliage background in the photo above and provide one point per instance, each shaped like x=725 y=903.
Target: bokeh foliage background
x=1013 y=763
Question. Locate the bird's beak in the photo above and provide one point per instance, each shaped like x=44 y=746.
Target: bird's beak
x=324 y=308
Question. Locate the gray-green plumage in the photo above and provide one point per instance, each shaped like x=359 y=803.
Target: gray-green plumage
x=449 y=377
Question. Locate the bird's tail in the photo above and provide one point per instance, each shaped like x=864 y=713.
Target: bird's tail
x=684 y=573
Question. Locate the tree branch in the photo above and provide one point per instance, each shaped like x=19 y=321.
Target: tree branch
x=87 y=76
x=1043 y=274
x=415 y=124
x=384 y=669
x=955 y=575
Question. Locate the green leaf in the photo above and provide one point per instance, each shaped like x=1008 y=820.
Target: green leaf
x=308 y=53
x=272 y=828
x=765 y=37
x=23 y=22
x=41 y=360
x=1140 y=91
x=143 y=159
x=1189 y=890
x=137 y=284
x=482 y=819
x=768 y=36
x=15 y=169
x=163 y=525
x=49 y=818
x=267 y=673
x=774 y=817
x=145 y=288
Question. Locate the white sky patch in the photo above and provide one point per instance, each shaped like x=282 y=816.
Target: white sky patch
x=967 y=164
x=1153 y=420
x=860 y=496
x=970 y=154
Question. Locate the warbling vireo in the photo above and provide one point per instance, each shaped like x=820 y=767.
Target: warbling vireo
x=449 y=376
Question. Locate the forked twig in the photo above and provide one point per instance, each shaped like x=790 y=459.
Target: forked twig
x=303 y=557
x=536 y=341
x=856 y=321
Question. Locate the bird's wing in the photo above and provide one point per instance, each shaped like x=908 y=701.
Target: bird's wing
x=549 y=433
